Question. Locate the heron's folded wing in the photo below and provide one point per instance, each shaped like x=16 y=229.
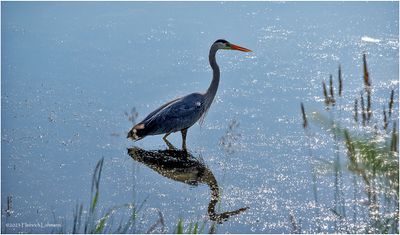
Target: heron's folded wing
x=178 y=115
x=158 y=110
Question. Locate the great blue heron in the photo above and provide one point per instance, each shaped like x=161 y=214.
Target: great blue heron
x=182 y=113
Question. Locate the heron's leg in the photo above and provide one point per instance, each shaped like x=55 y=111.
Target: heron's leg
x=184 y=132
x=170 y=146
x=165 y=136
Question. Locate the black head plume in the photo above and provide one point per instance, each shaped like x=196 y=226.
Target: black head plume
x=221 y=40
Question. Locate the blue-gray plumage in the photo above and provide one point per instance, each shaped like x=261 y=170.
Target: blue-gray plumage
x=182 y=113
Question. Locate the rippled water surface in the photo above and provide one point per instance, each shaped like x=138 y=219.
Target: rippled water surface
x=76 y=75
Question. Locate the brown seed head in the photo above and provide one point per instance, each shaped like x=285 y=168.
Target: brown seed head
x=305 y=123
x=367 y=82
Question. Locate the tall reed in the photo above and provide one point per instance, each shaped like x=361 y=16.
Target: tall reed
x=374 y=162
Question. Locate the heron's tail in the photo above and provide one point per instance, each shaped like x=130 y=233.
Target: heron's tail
x=136 y=133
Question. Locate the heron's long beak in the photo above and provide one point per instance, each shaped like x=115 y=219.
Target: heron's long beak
x=239 y=48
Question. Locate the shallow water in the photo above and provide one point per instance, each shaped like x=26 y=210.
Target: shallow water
x=72 y=72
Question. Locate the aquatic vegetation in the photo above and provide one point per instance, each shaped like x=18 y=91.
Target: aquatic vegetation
x=194 y=228
x=132 y=116
x=371 y=155
x=88 y=221
x=230 y=140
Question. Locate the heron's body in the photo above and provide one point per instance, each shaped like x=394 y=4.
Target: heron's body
x=174 y=116
x=182 y=113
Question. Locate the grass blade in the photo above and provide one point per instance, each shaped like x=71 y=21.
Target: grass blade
x=179 y=228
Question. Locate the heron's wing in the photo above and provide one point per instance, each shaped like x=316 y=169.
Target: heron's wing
x=180 y=114
x=158 y=109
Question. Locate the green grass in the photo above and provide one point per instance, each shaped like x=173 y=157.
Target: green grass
x=90 y=221
x=194 y=228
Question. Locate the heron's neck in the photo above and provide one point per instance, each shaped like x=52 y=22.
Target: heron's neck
x=212 y=89
x=210 y=180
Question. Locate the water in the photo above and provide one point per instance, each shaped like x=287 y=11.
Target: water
x=73 y=71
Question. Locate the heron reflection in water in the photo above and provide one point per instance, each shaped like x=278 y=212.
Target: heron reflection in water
x=181 y=166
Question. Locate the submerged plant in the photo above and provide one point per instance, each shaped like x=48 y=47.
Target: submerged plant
x=230 y=141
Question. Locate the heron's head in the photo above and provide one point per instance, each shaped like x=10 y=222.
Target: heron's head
x=225 y=45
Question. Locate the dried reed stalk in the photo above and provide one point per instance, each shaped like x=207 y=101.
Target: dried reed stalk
x=331 y=86
x=385 y=122
x=331 y=91
x=325 y=94
x=364 y=116
x=393 y=145
x=369 y=110
x=356 y=110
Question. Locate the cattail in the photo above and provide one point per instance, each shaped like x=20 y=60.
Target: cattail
x=385 y=123
x=325 y=93
x=367 y=82
x=393 y=145
x=340 y=81
x=391 y=103
x=305 y=123
x=364 y=116
x=356 y=110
